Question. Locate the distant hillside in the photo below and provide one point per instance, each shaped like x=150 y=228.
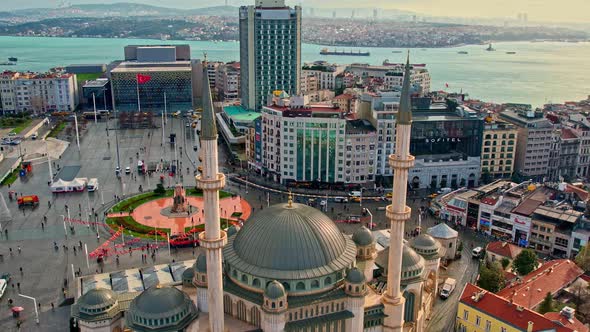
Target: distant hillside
x=123 y=9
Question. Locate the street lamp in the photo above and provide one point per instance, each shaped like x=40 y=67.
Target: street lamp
x=361 y=197
x=34 y=303
x=371 y=219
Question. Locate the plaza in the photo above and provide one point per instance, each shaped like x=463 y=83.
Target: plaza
x=45 y=269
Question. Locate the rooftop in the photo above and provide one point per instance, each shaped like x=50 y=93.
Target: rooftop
x=569 y=216
x=151 y=67
x=241 y=114
x=503 y=249
x=572 y=323
x=550 y=277
x=359 y=127
x=501 y=308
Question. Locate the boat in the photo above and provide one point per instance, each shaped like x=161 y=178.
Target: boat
x=511 y=52
x=7 y=63
x=13 y=59
x=490 y=48
x=326 y=51
x=463 y=52
x=396 y=51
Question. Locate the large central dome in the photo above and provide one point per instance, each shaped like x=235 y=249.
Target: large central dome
x=295 y=238
x=289 y=242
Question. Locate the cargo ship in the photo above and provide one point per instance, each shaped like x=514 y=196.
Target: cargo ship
x=326 y=51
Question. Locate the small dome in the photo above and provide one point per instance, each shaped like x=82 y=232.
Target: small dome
x=165 y=308
x=275 y=290
x=363 y=237
x=188 y=274
x=355 y=276
x=201 y=264
x=232 y=230
x=443 y=231
x=426 y=246
x=412 y=264
x=97 y=300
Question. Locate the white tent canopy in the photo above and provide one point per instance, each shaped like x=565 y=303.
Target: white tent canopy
x=61 y=186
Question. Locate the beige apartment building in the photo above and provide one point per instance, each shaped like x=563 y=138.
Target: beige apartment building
x=499 y=149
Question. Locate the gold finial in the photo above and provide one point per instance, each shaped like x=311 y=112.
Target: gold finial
x=290 y=200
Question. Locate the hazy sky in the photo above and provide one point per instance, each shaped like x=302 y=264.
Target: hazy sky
x=543 y=10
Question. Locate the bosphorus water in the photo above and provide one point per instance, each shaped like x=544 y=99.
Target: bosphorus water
x=538 y=73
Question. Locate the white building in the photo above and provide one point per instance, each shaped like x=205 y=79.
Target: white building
x=392 y=75
x=227 y=82
x=324 y=73
x=39 y=93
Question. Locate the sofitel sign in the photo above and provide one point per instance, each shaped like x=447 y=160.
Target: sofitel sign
x=443 y=140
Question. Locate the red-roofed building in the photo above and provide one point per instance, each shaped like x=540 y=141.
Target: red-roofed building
x=479 y=310
x=496 y=251
x=567 y=318
x=551 y=277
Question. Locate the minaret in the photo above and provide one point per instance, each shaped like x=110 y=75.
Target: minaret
x=398 y=212
x=211 y=181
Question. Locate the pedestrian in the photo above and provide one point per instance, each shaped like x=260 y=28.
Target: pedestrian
x=19 y=249
x=42 y=226
x=21 y=270
x=18 y=285
x=52 y=306
x=10 y=249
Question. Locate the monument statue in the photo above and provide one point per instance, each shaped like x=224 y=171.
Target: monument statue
x=180 y=203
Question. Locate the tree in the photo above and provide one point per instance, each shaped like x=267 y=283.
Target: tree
x=491 y=277
x=525 y=262
x=160 y=190
x=547 y=304
x=583 y=259
x=516 y=178
x=505 y=262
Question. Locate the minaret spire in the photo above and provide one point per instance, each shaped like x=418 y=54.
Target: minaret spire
x=405 y=104
x=211 y=181
x=398 y=212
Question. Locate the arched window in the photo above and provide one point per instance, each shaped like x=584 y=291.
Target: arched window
x=315 y=284
x=256 y=282
x=244 y=278
x=409 y=306
x=327 y=281
x=356 y=289
x=286 y=286
x=234 y=273
x=273 y=305
x=280 y=304
x=300 y=286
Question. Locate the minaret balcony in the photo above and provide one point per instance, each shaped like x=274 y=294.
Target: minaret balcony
x=211 y=184
x=398 y=216
x=397 y=162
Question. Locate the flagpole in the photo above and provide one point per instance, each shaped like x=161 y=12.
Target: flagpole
x=138 y=102
x=94 y=102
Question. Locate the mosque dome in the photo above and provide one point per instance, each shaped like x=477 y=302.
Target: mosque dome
x=232 y=230
x=200 y=265
x=355 y=276
x=363 y=237
x=161 y=309
x=97 y=301
x=289 y=243
x=412 y=264
x=426 y=246
x=275 y=290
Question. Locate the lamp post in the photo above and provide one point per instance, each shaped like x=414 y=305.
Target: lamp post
x=371 y=219
x=34 y=304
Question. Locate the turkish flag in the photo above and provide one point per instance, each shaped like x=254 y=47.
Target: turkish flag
x=142 y=79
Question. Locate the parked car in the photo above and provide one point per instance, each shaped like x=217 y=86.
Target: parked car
x=127 y=170
x=477 y=252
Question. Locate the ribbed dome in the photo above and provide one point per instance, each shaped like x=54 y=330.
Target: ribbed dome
x=426 y=246
x=355 y=276
x=201 y=264
x=290 y=239
x=274 y=290
x=157 y=302
x=363 y=237
x=97 y=299
x=412 y=264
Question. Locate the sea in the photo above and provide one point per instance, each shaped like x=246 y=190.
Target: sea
x=538 y=72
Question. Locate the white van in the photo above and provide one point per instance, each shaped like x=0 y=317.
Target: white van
x=477 y=252
x=355 y=194
x=2 y=287
x=92 y=185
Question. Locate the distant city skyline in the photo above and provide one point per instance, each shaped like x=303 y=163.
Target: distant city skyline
x=536 y=10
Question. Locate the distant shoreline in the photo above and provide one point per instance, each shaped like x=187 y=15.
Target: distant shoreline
x=315 y=44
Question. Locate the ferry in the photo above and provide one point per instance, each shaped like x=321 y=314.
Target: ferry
x=13 y=59
x=463 y=52
x=326 y=51
x=396 y=51
x=511 y=52
x=490 y=48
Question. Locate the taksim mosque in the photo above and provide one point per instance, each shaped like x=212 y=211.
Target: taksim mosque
x=289 y=267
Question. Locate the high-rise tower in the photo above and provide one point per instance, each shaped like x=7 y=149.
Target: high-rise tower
x=398 y=212
x=211 y=181
x=270 y=51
